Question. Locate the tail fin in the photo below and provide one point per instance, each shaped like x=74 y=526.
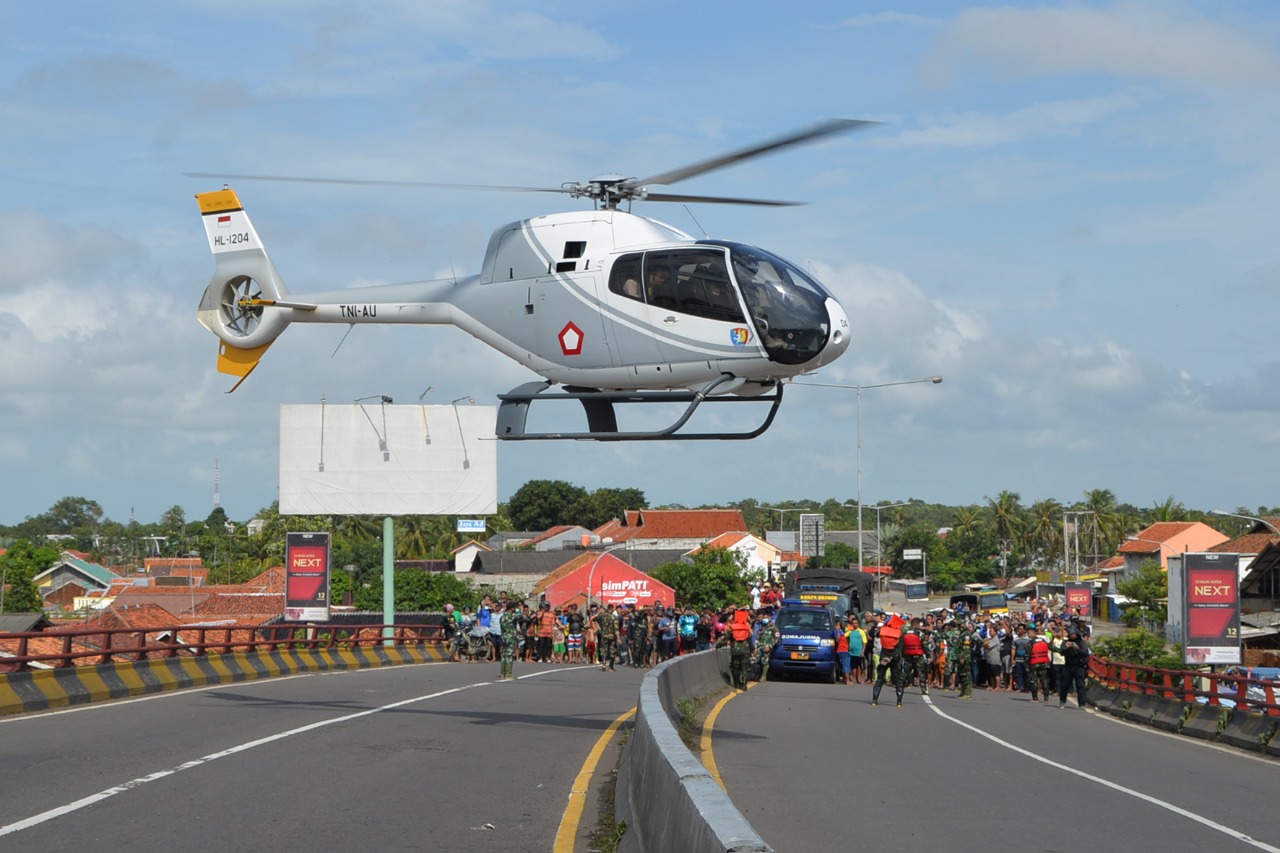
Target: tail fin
x=236 y=305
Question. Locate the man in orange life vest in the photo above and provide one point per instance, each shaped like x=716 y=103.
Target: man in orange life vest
x=912 y=660
x=889 y=632
x=738 y=639
x=1038 y=665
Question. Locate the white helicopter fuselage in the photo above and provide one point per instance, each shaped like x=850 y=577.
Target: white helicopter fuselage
x=575 y=297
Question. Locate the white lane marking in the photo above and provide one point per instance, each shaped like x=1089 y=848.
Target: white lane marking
x=35 y=820
x=1200 y=819
x=168 y=694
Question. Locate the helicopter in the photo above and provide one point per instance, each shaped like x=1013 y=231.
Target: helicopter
x=613 y=307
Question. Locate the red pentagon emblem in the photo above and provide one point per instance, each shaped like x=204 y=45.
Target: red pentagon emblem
x=570 y=339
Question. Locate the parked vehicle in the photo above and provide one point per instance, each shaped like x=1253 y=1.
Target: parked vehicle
x=807 y=642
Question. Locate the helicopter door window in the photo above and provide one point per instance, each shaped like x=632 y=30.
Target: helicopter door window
x=625 y=278
x=694 y=282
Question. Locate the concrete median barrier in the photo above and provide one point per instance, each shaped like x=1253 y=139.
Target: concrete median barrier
x=668 y=799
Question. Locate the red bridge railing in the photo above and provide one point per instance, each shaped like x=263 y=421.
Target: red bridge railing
x=79 y=646
x=1216 y=689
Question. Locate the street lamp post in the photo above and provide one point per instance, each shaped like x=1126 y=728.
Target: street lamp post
x=858 y=389
x=592 y=574
x=879 y=544
x=1261 y=521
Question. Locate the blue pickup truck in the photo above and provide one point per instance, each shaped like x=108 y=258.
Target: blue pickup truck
x=807 y=644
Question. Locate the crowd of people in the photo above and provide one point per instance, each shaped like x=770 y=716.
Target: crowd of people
x=1040 y=650
x=607 y=636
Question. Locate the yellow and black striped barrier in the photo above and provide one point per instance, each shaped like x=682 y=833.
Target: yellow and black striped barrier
x=42 y=690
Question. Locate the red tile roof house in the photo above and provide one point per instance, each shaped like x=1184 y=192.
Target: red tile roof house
x=670 y=528
x=1163 y=538
x=760 y=555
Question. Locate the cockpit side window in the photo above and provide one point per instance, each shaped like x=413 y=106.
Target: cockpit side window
x=692 y=281
x=625 y=278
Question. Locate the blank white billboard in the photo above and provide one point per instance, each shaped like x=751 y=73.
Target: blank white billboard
x=381 y=459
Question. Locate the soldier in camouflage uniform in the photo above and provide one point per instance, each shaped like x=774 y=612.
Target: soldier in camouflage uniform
x=607 y=625
x=640 y=638
x=911 y=659
x=739 y=657
x=766 y=640
x=959 y=653
x=510 y=645
x=1038 y=665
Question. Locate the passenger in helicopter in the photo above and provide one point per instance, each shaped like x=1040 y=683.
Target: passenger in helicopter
x=659 y=288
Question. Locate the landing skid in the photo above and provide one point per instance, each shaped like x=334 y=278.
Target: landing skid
x=602 y=420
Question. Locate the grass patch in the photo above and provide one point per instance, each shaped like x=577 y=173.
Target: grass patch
x=608 y=832
x=690 y=723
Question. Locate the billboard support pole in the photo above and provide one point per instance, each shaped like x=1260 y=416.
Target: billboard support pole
x=388 y=582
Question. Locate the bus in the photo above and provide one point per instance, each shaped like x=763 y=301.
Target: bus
x=912 y=590
x=982 y=598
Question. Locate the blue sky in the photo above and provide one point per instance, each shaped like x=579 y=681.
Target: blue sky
x=1067 y=213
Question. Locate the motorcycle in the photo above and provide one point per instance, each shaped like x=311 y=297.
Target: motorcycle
x=470 y=643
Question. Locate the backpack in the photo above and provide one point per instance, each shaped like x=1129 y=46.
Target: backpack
x=741 y=626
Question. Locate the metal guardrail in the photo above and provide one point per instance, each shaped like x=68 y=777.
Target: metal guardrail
x=80 y=646
x=1215 y=689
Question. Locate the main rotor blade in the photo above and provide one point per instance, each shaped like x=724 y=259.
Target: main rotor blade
x=826 y=128
x=360 y=182
x=711 y=199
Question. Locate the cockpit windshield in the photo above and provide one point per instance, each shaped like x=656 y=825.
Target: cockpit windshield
x=787 y=306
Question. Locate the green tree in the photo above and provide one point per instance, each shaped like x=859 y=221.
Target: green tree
x=1148 y=592
x=542 y=504
x=605 y=504
x=714 y=579
x=838 y=555
x=1006 y=518
x=18 y=566
x=968 y=520
x=1168 y=509
x=1043 y=530
x=1139 y=647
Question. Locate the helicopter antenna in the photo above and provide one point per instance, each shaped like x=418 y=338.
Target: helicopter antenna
x=454 y=275
x=695 y=220
x=350 y=326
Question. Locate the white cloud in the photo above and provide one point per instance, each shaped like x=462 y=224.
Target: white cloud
x=1130 y=39
x=875 y=19
x=982 y=130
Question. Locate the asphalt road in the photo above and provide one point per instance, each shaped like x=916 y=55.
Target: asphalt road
x=815 y=768
x=429 y=757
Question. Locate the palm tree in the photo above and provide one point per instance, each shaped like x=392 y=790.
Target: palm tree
x=967 y=520
x=414 y=537
x=1044 y=529
x=1108 y=522
x=1006 y=518
x=1168 y=509
x=358 y=528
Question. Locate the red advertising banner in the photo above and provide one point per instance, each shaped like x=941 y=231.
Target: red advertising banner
x=1080 y=600
x=1211 y=608
x=306 y=568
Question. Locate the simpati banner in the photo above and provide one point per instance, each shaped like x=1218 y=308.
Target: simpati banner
x=1211 y=608
x=306 y=561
